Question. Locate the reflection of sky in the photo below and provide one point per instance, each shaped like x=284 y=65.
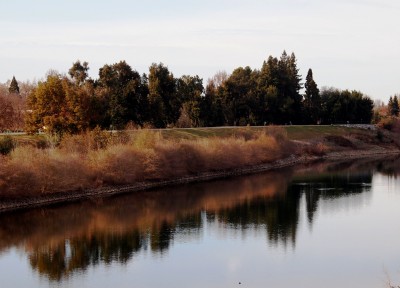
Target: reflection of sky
x=15 y=270
x=390 y=183
x=352 y=203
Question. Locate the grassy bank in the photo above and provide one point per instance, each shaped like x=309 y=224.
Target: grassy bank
x=99 y=159
x=102 y=159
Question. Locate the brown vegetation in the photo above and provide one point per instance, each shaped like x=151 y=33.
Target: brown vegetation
x=318 y=149
x=97 y=159
x=13 y=107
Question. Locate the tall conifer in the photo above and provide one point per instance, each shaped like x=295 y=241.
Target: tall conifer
x=14 y=88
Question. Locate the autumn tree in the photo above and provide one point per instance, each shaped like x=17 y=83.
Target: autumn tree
x=46 y=104
x=79 y=106
x=6 y=113
x=13 y=104
x=54 y=107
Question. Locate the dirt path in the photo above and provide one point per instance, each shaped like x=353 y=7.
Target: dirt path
x=71 y=196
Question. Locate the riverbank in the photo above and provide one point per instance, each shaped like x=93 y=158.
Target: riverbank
x=73 y=196
x=100 y=163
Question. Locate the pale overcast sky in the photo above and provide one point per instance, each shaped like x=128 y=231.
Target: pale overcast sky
x=349 y=44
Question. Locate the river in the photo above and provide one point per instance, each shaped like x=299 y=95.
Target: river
x=321 y=225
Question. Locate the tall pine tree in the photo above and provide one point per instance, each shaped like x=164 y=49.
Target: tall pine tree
x=393 y=106
x=14 y=88
x=288 y=89
x=312 y=100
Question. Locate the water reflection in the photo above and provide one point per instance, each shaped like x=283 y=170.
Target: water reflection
x=391 y=167
x=60 y=241
x=331 y=186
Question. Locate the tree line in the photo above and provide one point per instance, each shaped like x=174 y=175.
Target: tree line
x=120 y=95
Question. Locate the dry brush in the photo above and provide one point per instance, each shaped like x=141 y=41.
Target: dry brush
x=97 y=159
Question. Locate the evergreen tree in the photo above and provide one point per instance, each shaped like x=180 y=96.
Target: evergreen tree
x=79 y=72
x=393 y=106
x=211 y=107
x=189 y=90
x=124 y=91
x=239 y=97
x=346 y=106
x=294 y=87
x=284 y=75
x=312 y=100
x=164 y=103
x=267 y=88
x=278 y=84
x=14 y=88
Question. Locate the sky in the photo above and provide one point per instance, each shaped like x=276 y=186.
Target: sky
x=349 y=44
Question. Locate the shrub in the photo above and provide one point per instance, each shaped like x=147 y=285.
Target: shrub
x=319 y=149
x=390 y=123
x=379 y=135
x=278 y=133
x=7 y=144
x=42 y=144
x=90 y=140
x=145 y=139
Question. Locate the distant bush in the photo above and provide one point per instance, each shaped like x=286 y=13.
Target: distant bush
x=319 y=149
x=96 y=139
x=390 y=123
x=386 y=123
x=396 y=125
x=7 y=144
x=42 y=144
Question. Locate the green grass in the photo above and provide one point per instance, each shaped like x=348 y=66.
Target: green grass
x=195 y=133
x=23 y=140
x=300 y=132
x=315 y=131
x=294 y=132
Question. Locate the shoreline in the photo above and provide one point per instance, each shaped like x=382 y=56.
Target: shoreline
x=75 y=196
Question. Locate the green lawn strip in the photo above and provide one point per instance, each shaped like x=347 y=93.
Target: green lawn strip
x=26 y=139
x=309 y=132
x=294 y=132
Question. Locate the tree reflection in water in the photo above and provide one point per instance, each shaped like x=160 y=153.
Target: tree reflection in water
x=62 y=240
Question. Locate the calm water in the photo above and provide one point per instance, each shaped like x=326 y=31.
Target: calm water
x=331 y=225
